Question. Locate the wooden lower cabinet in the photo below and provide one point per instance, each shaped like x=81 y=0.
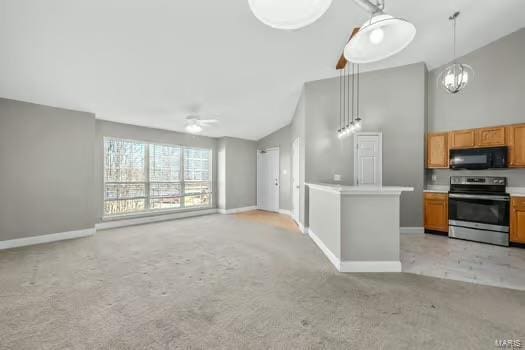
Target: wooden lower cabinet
x=436 y=212
x=517 y=220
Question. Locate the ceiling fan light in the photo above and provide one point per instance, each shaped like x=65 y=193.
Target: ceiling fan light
x=288 y=14
x=193 y=128
x=380 y=37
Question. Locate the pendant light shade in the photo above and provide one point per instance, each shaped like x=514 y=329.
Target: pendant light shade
x=380 y=37
x=288 y=14
x=455 y=77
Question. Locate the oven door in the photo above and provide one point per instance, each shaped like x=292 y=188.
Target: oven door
x=490 y=212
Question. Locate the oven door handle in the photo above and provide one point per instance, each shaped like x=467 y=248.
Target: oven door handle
x=476 y=196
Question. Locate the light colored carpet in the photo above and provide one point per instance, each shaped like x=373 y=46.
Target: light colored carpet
x=217 y=282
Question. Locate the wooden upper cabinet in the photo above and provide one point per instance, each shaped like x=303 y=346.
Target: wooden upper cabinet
x=437 y=150
x=516 y=143
x=517 y=220
x=462 y=139
x=436 y=212
x=489 y=137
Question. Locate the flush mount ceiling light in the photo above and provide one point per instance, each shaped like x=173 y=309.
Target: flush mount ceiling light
x=455 y=76
x=380 y=37
x=288 y=14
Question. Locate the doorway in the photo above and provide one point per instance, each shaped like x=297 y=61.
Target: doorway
x=368 y=159
x=296 y=185
x=268 y=179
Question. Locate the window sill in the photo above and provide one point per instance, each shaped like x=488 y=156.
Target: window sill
x=158 y=212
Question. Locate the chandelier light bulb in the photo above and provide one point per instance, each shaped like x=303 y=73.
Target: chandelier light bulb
x=357 y=124
x=376 y=36
x=193 y=128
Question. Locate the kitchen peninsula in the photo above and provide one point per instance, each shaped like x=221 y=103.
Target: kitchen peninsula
x=356 y=227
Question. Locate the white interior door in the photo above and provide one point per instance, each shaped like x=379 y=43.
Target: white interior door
x=268 y=179
x=368 y=159
x=296 y=186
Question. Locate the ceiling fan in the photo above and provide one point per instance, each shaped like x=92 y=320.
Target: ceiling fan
x=194 y=124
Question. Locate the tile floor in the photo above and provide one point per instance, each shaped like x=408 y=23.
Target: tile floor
x=455 y=259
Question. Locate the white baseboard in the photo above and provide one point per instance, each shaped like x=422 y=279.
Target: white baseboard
x=53 y=237
x=147 y=219
x=355 y=266
x=237 y=210
x=411 y=230
x=370 y=266
x=331 y=256
x=302 y=228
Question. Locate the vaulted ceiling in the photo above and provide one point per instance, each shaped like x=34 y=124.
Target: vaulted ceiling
x=152 y=62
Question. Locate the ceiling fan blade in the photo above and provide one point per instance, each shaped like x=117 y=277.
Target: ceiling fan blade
x=208 y=121
x=342 y=60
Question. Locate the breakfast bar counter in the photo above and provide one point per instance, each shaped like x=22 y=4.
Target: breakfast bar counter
x=356 y=227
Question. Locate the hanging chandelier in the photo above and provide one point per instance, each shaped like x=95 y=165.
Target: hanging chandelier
x=349 y=119
x=455 y=76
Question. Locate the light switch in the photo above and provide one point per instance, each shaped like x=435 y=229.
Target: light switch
x=337 y=177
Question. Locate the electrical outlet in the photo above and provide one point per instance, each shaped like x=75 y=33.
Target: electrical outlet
x=434 y=177
x=337 y=177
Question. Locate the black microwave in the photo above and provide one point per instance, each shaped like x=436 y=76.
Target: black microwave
x=479 y=158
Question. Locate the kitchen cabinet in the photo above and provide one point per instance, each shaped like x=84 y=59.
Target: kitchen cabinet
x=462 y=139
x=516 y=143
x=436 y=212
x=517 y=220
x=490 y=137
x=437 y=150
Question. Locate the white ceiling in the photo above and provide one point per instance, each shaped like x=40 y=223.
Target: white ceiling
x=152 y=62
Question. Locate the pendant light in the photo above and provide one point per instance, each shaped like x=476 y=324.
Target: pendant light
x=358 y=121
x=288 y=14
x=351 y=126
x=380 y=37
x=340 y=128
x=455 y=76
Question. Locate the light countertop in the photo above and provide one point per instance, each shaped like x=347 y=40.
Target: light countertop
x=513 y=191
x=516 y=191
x=437 y=188
x=372 y=190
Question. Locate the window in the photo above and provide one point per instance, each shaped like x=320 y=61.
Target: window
x=140 y=177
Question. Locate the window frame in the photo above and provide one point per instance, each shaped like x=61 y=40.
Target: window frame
x=147 y=183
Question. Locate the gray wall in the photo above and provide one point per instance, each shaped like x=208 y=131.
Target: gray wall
x=494 y=97
x=221 y=173
x=240 y=173
x=47 y=183
x=392 y=101
x=132 y=132
x=282 y=139
x=298 y=130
